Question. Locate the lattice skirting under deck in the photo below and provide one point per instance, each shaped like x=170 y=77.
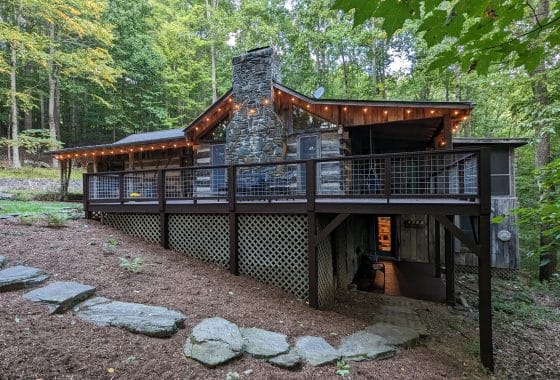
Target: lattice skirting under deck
x=273 y=249
x=145 y=226
x=326 y=280
x=204 y=236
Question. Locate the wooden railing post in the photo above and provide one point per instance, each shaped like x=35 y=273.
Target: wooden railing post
x=85 y=184
x=233 y=259
x=163 y=217
x=387 y=178
x=121 y=188
x=310 y=184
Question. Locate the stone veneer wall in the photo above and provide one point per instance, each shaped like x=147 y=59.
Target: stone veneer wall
x=255 y=133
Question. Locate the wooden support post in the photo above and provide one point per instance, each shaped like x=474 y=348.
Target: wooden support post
x=484 y=262
x=312 y=258
x=449 y=267
x=85 y=184
x=437 y=245
x=485 y=295
x=233 y=257
x=163 y=217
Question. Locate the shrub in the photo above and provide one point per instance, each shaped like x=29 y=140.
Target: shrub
x=56 y=220
x=27 y=220
x=133 y=266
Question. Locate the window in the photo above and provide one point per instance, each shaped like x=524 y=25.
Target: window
x=219 y=174
x=308 y=147
x=500 y=171
x=303 y=120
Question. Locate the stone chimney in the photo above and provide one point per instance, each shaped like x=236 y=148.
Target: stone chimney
x=255 y=133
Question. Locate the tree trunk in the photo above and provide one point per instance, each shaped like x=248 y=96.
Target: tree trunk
x=28 y=119
x=42 y=105
x=374 y=60
x=52 y=92
x=16 y=163
x=212 y=50
x=542 y=149
x=344 y=72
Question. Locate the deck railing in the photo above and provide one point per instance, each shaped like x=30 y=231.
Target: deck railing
x=430 y=174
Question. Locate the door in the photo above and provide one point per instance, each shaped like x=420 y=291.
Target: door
x=384 y=232
x=218 y=176
x=308 y=149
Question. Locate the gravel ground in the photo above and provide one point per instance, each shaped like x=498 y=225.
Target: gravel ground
x=36 y=345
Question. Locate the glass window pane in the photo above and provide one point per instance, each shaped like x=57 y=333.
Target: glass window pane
x=308 y=147
x=499 y=184
x=499 y=160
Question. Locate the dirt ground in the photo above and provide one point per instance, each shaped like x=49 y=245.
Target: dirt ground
x=35 y=345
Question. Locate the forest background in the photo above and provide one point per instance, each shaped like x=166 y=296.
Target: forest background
x=77 y=72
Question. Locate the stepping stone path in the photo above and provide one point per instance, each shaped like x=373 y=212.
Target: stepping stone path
x=20 y=277
x=135 y=317
x=60 y=296
x=264 y=344
x=316 y=351
x=395 y=335
x=365 y=345
x=289 y=360
x=214 y=341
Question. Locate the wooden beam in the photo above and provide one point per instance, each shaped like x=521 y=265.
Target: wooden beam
x=312 y=260
x=485 y=295
x=322 y=235
x=437 y=231
x=458 y=233
x=449 y=267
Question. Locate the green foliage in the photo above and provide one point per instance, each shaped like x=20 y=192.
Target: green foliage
x=37 y=208
x=113 y=242
x=343 y=368
x=134 y=266
x=28 y=172
x=27 y=220
x=33 y=140
x=56 y=220
x=471 y=33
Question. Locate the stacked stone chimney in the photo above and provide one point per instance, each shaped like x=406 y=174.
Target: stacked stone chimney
x=255 y=132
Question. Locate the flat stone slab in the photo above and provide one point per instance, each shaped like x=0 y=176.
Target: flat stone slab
x=219 y=329
x=135 y=317
x=211 y=353
x=264 y=344
x=2 y=261
x=395 y=335
x=214 y=341
x=20 y=277
x=290 y=359
x=364 y=345
x=316 y=351
x=60 y=296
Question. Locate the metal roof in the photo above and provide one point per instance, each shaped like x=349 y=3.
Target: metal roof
x=152 y=136
x=516 y=142
x=137 y=138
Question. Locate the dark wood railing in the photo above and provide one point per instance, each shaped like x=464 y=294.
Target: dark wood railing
x=433 y=174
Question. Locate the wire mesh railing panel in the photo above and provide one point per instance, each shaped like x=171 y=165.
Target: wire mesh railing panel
x=105 y=186
x=191 y=183
x=271 y=181
x=140 y=185
x=353 y=178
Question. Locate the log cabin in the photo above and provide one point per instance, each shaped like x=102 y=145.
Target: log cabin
x=294 y=191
